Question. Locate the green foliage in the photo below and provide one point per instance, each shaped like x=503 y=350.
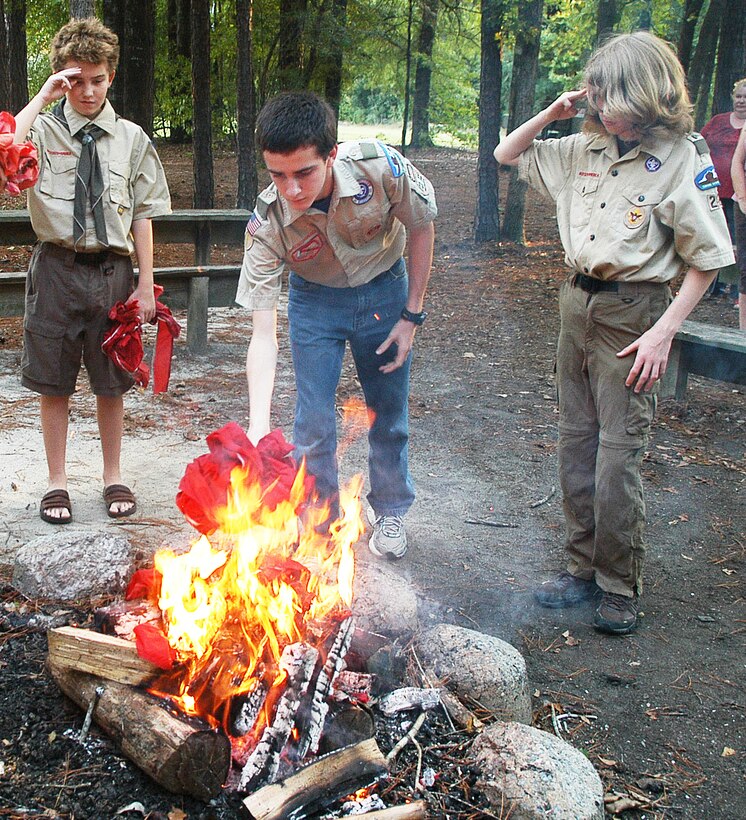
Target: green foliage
x=43 y=19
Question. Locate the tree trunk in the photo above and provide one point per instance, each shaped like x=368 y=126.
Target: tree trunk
x=692 y=10
x=290 y=55
x=201 y=113
x=335 y=60
x=5 y=98
x=80 y=9
x=487 y=217
x=731 y=59
x=606 y=19
x=139 y=37
x=522 y=94
x=17 y=58
x=423 y=75
x=245 y=103
x=114 y=18
x=407 y=77
x=178 y=28
x=703 y=62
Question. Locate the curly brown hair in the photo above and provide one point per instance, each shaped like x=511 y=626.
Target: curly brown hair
x=84 y=41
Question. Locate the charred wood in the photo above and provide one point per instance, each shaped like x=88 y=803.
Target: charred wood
x=314 y=719
x=346 y=723
x=248 y=712
x=321 y=783
x=121 y=617
x=182 y=755
x=298 y=661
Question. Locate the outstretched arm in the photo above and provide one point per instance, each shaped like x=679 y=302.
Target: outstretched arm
x=421 y=242
x=53 y=89
x=516 y=142
x=261 y=363
x=652 y=348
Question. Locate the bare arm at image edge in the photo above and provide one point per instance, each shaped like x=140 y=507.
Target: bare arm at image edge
x=261 y=364
x=737 y=172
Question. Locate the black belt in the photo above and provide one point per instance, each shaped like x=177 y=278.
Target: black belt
x=592 y=285
x=91 y=258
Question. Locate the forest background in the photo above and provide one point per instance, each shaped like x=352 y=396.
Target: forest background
x=446 y=71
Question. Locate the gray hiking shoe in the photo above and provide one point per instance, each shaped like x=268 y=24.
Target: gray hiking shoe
x=616 y=614
x=565 y=590
x=388 y=539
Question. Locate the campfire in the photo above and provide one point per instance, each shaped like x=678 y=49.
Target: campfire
x=222 y=666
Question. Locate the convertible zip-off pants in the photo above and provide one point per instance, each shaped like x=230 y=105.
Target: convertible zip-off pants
x=603 y=430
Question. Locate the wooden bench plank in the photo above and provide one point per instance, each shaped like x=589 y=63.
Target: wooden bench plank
x=704 y=350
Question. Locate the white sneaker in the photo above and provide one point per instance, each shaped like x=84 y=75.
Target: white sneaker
x=388 y=539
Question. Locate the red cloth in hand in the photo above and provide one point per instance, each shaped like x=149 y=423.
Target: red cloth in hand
x=123 y=343
x=19 y=167
x=204 y=488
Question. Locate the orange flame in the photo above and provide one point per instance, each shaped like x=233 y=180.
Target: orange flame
x=229 y=608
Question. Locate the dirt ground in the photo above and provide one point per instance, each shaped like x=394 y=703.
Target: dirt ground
x=661 y=713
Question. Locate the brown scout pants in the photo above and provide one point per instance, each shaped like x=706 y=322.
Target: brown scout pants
x=603 y=430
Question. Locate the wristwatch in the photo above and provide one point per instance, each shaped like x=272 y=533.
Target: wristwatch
x=414 y=318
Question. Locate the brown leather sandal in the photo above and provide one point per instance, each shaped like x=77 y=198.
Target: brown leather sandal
x=55 y=500
x=119 y=494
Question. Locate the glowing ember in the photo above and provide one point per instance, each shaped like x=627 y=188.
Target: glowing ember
x=260 y=582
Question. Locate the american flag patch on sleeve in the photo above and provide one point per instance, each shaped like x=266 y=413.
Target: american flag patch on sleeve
x=254 y=223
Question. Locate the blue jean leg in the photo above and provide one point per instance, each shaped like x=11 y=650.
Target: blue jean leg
x=322 y=320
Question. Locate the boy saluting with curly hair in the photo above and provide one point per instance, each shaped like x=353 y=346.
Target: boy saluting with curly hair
x=100 y=183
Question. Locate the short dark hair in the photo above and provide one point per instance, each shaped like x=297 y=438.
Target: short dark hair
x=296 y=119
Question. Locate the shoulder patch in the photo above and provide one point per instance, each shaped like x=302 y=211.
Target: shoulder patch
x=368 y=150
x=394 y=159
x=707 y=178
x=699 y=142
x=263 y=201
x=417 y=180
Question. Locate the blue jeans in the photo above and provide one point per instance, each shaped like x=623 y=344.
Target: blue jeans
x=322 y=320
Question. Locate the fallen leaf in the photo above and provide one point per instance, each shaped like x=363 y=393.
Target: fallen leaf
x=728 y=752
x=606 y=761
x=52 y=736
x=138 y=807
x=176 y=814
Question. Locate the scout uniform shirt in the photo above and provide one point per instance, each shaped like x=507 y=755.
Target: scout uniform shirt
x=134 y=181
x=642 y=217
x=376 y=193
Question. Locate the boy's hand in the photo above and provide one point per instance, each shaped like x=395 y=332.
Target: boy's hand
x=58 y=85
x=402 y=335
x=650 y=360
x=145 y=303
x=566 y=105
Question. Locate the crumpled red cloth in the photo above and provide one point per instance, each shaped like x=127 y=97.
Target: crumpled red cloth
x=204 y=488
x=123 y=342
x=153 y=646
x=19 y=167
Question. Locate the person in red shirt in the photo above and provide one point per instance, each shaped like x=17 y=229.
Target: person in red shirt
x=722 y=133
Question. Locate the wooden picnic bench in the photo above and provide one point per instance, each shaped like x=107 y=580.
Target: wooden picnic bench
x=195 y=287
x=704 y=350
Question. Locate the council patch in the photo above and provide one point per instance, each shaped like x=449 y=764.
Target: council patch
x=707 y=178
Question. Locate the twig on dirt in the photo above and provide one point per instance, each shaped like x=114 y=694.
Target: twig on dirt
x=484 y=523
x=89 y=714
x=544 y=500
x=555 y=722
x=416 y=726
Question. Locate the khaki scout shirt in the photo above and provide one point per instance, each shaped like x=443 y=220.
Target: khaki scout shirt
x=133 y=177
x=376 y=193
x=643 y=217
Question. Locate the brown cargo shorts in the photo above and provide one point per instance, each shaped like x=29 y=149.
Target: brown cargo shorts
x=68 y=297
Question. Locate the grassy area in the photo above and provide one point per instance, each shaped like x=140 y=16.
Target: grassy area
x=389 y=132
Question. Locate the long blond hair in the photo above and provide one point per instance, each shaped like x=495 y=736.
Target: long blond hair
x=638 y=79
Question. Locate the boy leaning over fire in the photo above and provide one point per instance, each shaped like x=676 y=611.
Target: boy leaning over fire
x=636 y=206
x=100 y=182
x=337 y=217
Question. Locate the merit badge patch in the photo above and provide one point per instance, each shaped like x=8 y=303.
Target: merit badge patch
x=308 y=248
x=707 y=178
x=634 y=218
x=365 y=194
x=653 y=164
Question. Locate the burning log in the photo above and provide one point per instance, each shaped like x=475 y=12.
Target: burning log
x=121 y=617
x=309 y=740
x=298 y=661
x=321 y=783
x=104 y=655
x=183 y=756
x=247 y=714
